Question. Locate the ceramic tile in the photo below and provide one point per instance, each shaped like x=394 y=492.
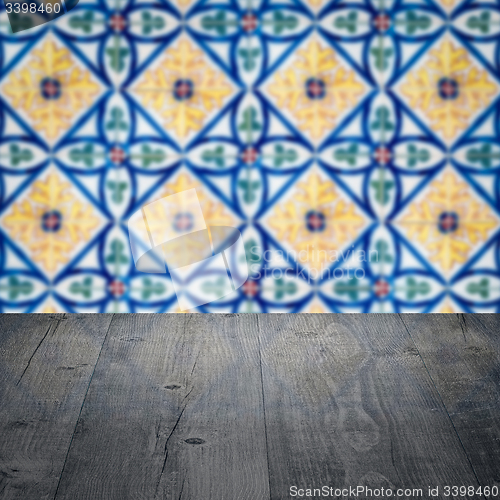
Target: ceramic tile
x=355 y=145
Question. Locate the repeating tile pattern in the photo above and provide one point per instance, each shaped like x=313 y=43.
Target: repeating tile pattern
x=354 y=143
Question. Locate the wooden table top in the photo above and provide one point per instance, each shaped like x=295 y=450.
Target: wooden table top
x=245 y=406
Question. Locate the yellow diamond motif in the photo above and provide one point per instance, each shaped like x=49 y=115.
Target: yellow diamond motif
x=449 y=89
x=316 y=221
x=183 y=89
x=448 y=221
x=50 y=221
x=51 y=89
x=315 y=89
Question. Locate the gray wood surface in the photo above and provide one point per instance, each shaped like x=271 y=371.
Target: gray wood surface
x=174 y=411
x=245 y=406
x=462 y=355
x=46 y=363
x=349 y=402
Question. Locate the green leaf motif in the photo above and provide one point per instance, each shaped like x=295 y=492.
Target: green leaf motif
x=117 y=57
x=149 y=288
x=382 y=189
x=282 y=22
x=148 y=155
x=413 y=288
x=251 y=256
x=249 y=188
x=18 y=155
x=348 y=22
x=250 y=123
x=349 y=155
x=483 y=155
x=283 y=288
x=281 y=155
x=382 y=249
x=83 y=22
x=217 y=23
x=19 y=22
x=381 y=57
x=382 y=121
x=116 y=122
x=117 y=256
x=216 y=156
x=217 y=287
x=85 y=155
x=415 y=22
x=117 y=188
x=249 y=56
x=415 y=155
x=15 y=287
x=150 y=23
x=481 y=23
x=349 y=288
x=85 y=287
x=482 y=288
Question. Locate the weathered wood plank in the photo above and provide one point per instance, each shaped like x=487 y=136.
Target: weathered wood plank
x=46 y=365
x=462 y=360
x=20 y=335
x=349 y=402
x=174 y=411
x=462 y=354
x=479 y=431
x=486 y=325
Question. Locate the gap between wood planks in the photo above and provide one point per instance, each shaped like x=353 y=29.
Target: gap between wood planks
x=83 y=403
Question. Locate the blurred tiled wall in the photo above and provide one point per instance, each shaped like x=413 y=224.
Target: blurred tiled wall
x=354 y=144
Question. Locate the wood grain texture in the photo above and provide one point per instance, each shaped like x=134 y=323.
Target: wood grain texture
x=462 y=359
x=479 y=431
x=349 y=402
x=244 y=406
x=462 y=355
x=174 y=411
x=46 y=362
